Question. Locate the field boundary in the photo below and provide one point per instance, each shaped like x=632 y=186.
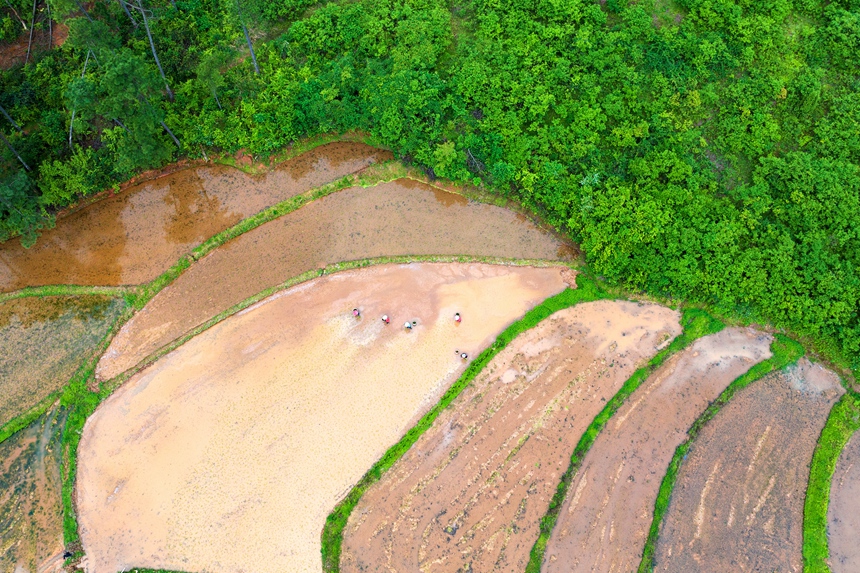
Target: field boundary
x=696 y=324
x=842 y=423
x=332 y=534
x=785 y=352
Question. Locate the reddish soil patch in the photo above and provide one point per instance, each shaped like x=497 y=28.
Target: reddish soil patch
x=738 y=501
x=15 y=53
x=470 y=493
x=229 y=452
x=31 y=511
x=132 y=237
x=43 y=341
x=399 y=218
x=605 y=519
x=843 y=514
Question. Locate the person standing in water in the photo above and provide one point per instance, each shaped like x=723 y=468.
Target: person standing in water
x=355 y=313
x=385 y=319
x=457 y=318
x=407 y=325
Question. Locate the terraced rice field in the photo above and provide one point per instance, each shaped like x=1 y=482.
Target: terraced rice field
x=471 y=491
x=403 y=217
x=844 y=514
x=229 y=452
x=604 y=522
x=745 y=477
x=42 y=342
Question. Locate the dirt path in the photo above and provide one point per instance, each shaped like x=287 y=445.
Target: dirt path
x=738 y=502
x=42 y=343
x=228 y=453
x=470 y=493
x=132 y=237
x=31 y=511
x=399 y=218
x=843 y=514
x=606 y=516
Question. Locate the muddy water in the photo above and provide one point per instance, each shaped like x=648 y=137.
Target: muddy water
x=31 y=517
x=843 y=515
x=132 y=237
x=399 y=218
x=738 y=502
x=605 y=519
x=470 y=493
x=42 y=343
x=228 y=453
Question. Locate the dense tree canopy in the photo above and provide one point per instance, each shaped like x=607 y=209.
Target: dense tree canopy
x=704 y=149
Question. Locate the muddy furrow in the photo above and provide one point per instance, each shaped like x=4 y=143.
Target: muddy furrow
x=399 y=218
x=843 y=515
x=606 y=516
x=469 y=495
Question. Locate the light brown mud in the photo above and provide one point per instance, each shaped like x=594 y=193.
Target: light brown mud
x=43 y=341
x=470 y=493
x=399 y=218
x=738 y=502
x=31 y=516
x=132 y=237
x=843 y=514
x=229 y=452
x=605 y=519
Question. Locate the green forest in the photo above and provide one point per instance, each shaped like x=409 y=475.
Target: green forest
x=705 y=150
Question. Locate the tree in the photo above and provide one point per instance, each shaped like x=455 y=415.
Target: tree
x=247 y=37
x=20 y=211
x=154 y=53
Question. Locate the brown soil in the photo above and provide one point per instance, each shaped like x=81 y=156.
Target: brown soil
x=470 y=493
x=399 y=218
x=31 y=515
x=605 y=519
x=843 y=515
x=15 y=53
x=42 y=343
x=229 y=452
x=132 y=237
x=738 y=502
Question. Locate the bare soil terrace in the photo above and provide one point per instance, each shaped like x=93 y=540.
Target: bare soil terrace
x=403 y=217
x=843 y=514
x=132 y=237
x=606 y=516
x=470 y=493
x=737 y=505
x=228 y=453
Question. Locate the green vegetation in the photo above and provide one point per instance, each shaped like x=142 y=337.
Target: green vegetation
x=696 y=323
x=704 y=150
x=785 y=352
x=843 y=421
x=332 y=535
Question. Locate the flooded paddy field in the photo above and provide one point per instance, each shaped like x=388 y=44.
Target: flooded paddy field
x=31 y=517
x=403 y=217
x=132 y=237
x=843 y=515
x=468 y=496
x=43 y=341
x=738 y=500
x=228 y=453
x=604 y=521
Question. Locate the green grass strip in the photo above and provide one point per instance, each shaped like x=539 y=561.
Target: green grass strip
x=785 y=352
x=697 y=323
x=332 y=534
x=65 y=290
x=843 y=421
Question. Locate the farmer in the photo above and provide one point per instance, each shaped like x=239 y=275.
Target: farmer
x=464 y=356
x=385 y=319
x=407 y=325
x=457 y=318
x=355 y=313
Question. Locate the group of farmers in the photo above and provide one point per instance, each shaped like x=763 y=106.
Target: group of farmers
x=410 y=325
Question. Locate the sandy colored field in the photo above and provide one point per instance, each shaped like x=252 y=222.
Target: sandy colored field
x=605 y=519
x=843 y=514
x=229 y=452
x=470 y=493
x=132 y=237
x=398 y=218
x=42 y=343
x=31 y=514
x=738 y=501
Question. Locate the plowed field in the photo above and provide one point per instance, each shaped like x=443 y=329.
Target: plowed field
x=132 y=237
x=738 y=501
x=228 y=453
x=605 y=519
x=470 y=492
x=399 y=218
x=843 y=515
